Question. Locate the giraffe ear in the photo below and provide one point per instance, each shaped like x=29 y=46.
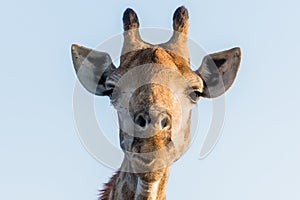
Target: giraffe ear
x=218 y=71
x=92 y=68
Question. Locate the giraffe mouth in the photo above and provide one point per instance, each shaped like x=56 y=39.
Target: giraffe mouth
x=150 y=161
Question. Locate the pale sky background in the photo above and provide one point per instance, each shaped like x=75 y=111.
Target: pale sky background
x=257 y=156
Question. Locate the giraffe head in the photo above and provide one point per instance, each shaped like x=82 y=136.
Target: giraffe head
x=154 y=90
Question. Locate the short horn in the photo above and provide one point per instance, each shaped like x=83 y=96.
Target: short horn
x=180 y=20
x=132 y=37
x=179 y=40
x=130 y=20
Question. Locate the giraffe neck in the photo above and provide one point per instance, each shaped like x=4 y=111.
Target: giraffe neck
x=147 y=189
x=131 y=186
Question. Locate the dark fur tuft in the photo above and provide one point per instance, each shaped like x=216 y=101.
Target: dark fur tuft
x=130 y=19
x=104 y=193
x=180 y=19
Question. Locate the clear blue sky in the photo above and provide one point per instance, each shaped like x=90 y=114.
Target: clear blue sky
x=258 y=154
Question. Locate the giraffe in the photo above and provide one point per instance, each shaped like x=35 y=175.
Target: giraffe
x=153 y=90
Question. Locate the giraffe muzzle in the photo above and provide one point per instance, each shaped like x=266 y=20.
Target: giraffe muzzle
x=155 y=120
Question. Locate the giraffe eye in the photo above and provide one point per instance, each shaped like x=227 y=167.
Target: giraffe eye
x=109 y=85
x=195 y=95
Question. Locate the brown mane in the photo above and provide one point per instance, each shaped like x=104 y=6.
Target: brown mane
x=104 y=193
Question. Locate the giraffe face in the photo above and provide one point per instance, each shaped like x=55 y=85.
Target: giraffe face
x=154 y=94
x=154 y=89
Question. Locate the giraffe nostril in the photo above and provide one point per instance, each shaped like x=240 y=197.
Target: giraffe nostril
x=165 y=122
x=141 y=121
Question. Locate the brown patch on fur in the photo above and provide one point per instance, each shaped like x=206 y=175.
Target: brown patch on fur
x=163 y=185
x=154 y=54
x=105 y=192
x=154 y=175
